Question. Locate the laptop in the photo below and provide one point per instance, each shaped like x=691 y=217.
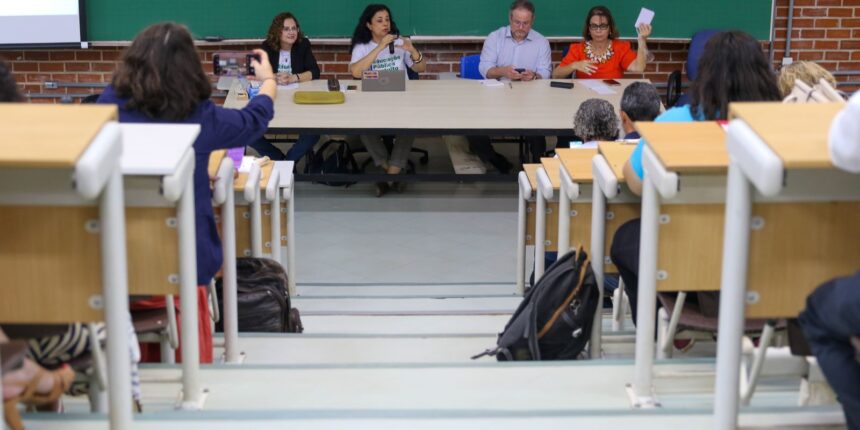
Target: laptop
x=383 y=80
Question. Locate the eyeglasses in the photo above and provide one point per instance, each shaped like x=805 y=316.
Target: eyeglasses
x=291 y=29
x=598 y=26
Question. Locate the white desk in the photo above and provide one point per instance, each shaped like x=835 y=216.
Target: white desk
x=457 y=107
x=158 y=163
x=57 y=163
x=778 y=153
x=684 y=163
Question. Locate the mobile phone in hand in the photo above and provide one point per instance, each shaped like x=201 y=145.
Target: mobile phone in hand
x=611 y=82
x=520 y=70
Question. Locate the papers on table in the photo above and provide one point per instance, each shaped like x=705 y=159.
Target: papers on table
x=645 y=17
x=492 y=83
x=597 y=86
x=292 y=86
x=247 y=162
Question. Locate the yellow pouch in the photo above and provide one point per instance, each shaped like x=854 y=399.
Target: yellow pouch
x=318 y=97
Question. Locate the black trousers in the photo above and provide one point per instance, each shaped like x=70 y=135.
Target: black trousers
x=831 y=318
x=624 y=253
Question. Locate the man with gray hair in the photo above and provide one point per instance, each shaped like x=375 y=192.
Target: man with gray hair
x=595 y=120
x=514 y=52
x=639 y=102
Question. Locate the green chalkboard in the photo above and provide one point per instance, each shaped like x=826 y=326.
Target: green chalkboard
x=119 y=20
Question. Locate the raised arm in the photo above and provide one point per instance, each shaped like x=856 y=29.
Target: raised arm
x=638 y=65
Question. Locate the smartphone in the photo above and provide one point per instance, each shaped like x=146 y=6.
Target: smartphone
x=611 y=82
x=233 y=63
x=520 y=70
x=351 y=87
x=557 y=84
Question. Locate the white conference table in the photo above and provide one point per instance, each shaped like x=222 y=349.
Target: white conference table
x=449 y=107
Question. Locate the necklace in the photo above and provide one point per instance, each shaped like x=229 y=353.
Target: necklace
x=589 y=52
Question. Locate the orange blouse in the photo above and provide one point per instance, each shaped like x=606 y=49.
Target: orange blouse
x=613 y=68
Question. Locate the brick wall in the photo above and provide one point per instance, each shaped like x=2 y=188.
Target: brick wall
x=825 y=31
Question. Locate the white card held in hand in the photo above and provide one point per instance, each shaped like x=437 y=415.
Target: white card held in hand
x=645 y=17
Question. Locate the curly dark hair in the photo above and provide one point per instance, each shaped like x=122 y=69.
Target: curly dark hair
x=273 y=36
x=599 y=11
x=8 y=87
x=161 y=74
x=596 y=120
x=362 y=33
x=732 y=68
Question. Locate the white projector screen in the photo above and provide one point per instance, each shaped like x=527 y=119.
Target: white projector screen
x=41 y=22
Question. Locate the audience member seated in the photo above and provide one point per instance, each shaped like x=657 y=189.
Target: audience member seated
x=733 y=68
x=831 y=320
x=595 y=120
x=514 y=52
x=640 y=102
x=808 y=72
x=601 y=55
x=155 y=84
x=369 y=47
x=293 y=61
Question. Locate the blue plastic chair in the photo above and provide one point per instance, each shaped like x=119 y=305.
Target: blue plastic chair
x=697 y=48
x=469 y=67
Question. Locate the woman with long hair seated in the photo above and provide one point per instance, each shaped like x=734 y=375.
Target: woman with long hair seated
x=370 y=50
x=161 y=80
x=733 y=68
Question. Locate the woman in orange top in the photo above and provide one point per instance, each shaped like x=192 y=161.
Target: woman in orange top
x=600 y=55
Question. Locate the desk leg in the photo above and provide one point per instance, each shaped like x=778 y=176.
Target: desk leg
x=256 y=227
x=291 y=241
x=643 y=391
x=521 y=244
x=563 y=221
x=733 y=278
x=191 y=395
x=598 y=231
x=540 y=235
x=115 y=282
x=275 y=211
x=230 y=315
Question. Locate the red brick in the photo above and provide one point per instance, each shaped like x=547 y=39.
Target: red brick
x=25 y=67
x=837 y=56
x=827 y=23
x=811 y=56
x=812 y=11
x=439 y=68
x=829 y=2
x=36 y=55
x=11 y=55
x=840 y=11
x=798 y=23
x=853 y=23
x=812 y=34
x=89 y=55
x=62 y=55
x=838 y=34
x=37 y=77
x=781 y=12
x=826 y=44
x=855 y=55
x=111 y=55
x=801 y=44
x=104 y=67
x=77 y=67
x=336 y=68
x=849 y=66
x=90 y=77
x=42 y=101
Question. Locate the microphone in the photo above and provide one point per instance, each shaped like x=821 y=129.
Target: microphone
x=391 y=45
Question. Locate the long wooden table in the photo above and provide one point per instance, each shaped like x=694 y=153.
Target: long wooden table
x=458 y=107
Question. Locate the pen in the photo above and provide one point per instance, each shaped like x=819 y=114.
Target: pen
x=510 y=85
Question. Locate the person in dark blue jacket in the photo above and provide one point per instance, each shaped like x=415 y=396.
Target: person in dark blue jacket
x=161 y=80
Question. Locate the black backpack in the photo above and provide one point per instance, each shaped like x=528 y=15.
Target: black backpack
x=333 y=156
x=553 y=322
x=263 y=298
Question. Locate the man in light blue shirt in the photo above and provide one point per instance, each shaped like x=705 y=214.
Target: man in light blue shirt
x=514 y=52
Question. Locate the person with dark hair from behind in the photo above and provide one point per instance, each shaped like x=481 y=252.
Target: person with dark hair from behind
x=595 y=120
x=639 y=102
x=732 y=68
x=376 y=45
x=601 y=55
x=831 y=320
x=160 y=80
x=514 y=52
x=8 y=86
x=293 y=61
